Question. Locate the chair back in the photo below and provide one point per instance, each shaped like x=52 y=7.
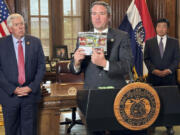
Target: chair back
x=63 y=74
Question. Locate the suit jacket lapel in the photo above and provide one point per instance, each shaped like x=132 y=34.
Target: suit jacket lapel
x=167 y=47
x=27 y=50
x=12 y=52
x=157 y=48
x=110 y=40
x=110 y=35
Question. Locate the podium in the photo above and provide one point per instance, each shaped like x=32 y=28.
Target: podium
x=170 y=102
x=97 y=108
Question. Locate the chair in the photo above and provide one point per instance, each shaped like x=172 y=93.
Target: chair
x=63 y=75
x=72 y=121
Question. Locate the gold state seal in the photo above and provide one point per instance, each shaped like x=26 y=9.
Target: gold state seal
x=136 y=106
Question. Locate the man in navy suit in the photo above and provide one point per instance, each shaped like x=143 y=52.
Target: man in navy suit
x=22 y=67
x=161 y=57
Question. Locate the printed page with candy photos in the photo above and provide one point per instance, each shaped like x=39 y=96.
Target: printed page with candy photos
x=89 y=40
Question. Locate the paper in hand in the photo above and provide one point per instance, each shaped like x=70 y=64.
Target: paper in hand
x=89 y=40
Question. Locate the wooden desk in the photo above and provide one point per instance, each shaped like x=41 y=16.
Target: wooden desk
x=60 y=89
x=49 y=114
x=49 y=108
x=1 y=117
x=50 y=76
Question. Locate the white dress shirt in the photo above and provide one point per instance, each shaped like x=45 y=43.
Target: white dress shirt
x=15 y=43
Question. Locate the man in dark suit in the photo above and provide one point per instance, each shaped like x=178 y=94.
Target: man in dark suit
x=22 y=67
x=161 y=56
x=100 y=69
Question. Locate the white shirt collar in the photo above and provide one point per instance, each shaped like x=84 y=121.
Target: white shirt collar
x=164 y=40
x=164 y=37
x=104 y=31
x=16 y=40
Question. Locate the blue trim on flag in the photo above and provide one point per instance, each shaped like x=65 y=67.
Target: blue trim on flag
x=136 y=49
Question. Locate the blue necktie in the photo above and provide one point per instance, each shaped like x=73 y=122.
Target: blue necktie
x=161 y=47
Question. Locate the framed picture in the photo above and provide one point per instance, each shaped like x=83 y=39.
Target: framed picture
x=61 y=52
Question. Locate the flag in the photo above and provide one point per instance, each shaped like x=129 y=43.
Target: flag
x=4 y=13
x=137 y=22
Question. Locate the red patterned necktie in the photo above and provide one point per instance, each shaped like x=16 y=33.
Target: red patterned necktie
x=21 y=71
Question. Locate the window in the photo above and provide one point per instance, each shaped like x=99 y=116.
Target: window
x=72 y=17
x=39 y=22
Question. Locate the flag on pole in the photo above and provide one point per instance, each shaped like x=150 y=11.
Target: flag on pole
x=4 y=13
x=138 y=24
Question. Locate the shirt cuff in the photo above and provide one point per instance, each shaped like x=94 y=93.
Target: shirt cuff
x=107 y=66
x=77 y=69
x=170 y=71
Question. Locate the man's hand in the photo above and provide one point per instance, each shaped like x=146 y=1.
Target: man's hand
x=98 y=58
x=79 y=55
x=22 y=91
x=167 y=72
x=162 y=73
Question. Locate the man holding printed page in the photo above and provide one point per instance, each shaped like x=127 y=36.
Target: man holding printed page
x=104 y=70
x=100 y=69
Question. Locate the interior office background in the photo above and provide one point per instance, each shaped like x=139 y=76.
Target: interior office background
x=57 y=22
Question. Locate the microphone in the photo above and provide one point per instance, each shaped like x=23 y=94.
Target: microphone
x=130 y=72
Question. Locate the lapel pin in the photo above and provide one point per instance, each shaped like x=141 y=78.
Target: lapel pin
x=28 y=43
x=112 y=39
